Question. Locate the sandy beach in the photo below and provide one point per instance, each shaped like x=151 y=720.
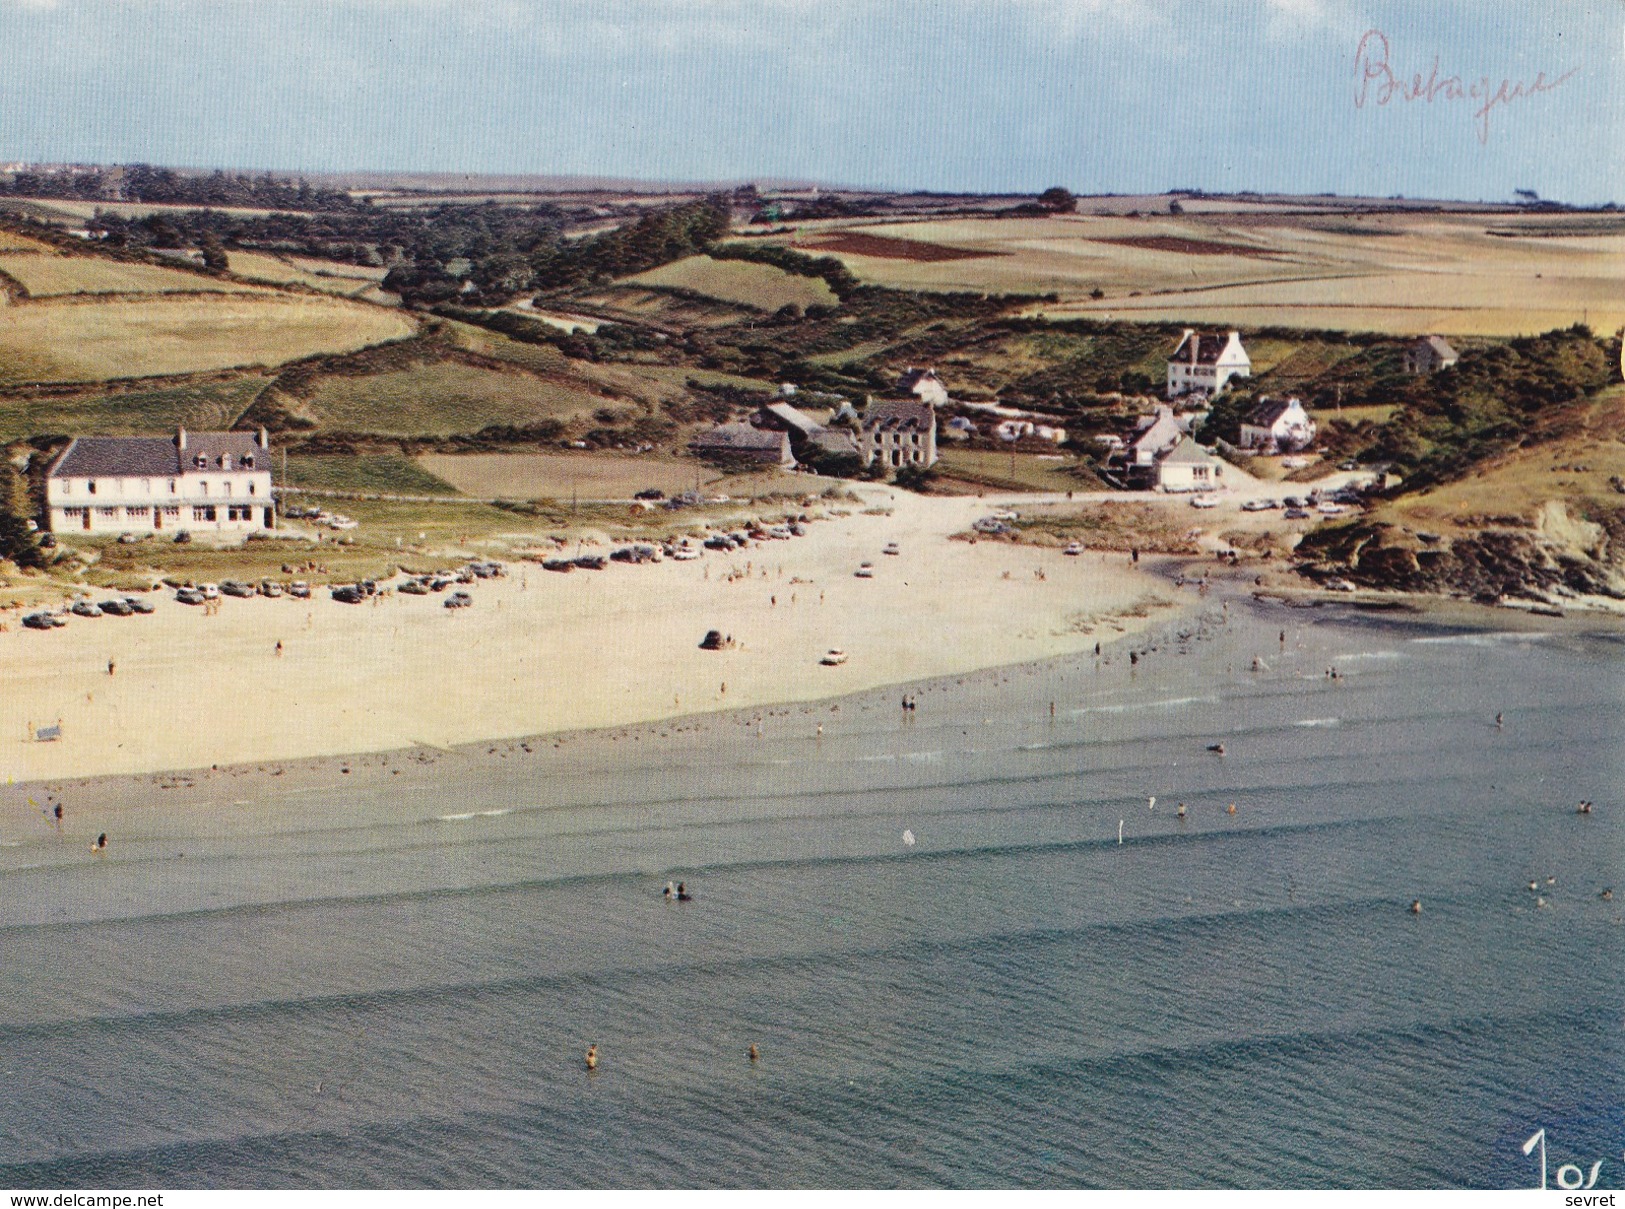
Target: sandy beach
x=541 y=652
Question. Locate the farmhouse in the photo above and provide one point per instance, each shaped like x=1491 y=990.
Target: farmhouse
x=1429 y=355
x=1277 y=425
x=741 y=442
x=211 y=481
x=924 y=385
x=899 y=432
x=1188 y=467
x=1205 y=361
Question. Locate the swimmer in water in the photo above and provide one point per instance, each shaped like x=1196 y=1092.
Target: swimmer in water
x=755 y=1054
x=1500 y=719
x=1416 y=906
x=669 y=891
x=592 y=1057
x=683 y=896
x=1182 y=810
x=1230 y=809
x=1608 y=895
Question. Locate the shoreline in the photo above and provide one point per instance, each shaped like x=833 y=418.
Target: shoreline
x=540 y=653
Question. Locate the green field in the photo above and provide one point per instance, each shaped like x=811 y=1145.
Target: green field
x=1018 y=472
x=45 y=276
x=203 y=407
x=328 y=276
x=740 y=282
x=442 y=399
x=99 y=340
x=385 y=474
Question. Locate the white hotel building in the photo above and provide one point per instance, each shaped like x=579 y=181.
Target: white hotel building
x=200 y=482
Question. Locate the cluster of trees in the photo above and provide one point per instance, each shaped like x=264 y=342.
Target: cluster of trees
x=506 y=263
x=18 y=543
x=165 y=186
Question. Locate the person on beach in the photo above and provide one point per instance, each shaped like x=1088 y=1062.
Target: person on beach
x=592 y=1057
x=683 y=896
x=100 y=846
x=669 y=891
x=1500 y=720
x=58 y=813
x=279 y=648
x=111 y=667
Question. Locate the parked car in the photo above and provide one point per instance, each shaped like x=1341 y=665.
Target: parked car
x=85 y=608
x=650 y=493
x=459 y=600
x=182 y=538
x=415 y=587
x=43 y=621
x=242 y=591
x=348 y=594
x=270 y=589
x=1296 y=514
x=1327 y=508
x=47 y=541
x=1295 y=501
x=1259 y=505
x=1204 y=501
x=139 y=605
x=190 y=596
x=718 y=541
x=299 y=590
x=685 y=554
x=115 y=608
x=1073 y=548
x=592 y=562
x=833 y=657
x=548 y=564
x=210 y=591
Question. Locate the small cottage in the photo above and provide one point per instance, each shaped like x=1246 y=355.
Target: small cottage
x=1429 y=355
x=1188 y=467
x=1277 y=426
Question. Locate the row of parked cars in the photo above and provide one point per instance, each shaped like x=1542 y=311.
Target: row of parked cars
x=117 y=606
x=1331 y=503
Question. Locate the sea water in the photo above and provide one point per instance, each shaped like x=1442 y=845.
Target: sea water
x=393 y=983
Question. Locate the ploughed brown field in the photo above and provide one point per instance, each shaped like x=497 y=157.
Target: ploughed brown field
x=883 y=247
x=1189 y=247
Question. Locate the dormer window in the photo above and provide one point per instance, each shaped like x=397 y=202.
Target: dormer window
x=225 y=461
x=200 y=462
x=248 y=461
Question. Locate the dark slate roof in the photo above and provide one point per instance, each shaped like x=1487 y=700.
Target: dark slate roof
x=740 y=437
x=1267 y=411
x=900 y=415
x=1208 y=346
x=1439 y=345
x=134 y=457
x=116 y=457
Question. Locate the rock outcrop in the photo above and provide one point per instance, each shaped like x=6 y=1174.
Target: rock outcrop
x=1556 y=556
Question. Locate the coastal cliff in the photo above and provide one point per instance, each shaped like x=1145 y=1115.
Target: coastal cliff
x=1552 y=557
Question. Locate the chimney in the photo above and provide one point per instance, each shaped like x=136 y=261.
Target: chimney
x=180 y=439
x=1189 y=344
x=265 y=438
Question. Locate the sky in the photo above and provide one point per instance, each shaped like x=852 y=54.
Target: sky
x=1006 y=96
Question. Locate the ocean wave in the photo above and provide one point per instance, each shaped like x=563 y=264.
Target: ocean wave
x=1319 y=722
x=1488 y=639
x=1129 y=707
